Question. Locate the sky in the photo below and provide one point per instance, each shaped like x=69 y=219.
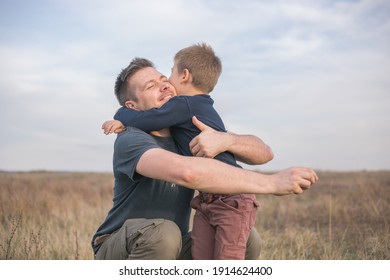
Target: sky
x=310 y=78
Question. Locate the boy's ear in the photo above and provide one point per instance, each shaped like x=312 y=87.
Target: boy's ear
x=131 y=104
x=186 y=76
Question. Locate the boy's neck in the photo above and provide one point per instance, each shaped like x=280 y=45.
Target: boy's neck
x=190 y=92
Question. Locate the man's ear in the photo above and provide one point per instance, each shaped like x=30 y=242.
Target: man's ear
x=131 y=104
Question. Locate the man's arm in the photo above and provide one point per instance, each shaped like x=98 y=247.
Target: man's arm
x=247 y=148
x=209 y=175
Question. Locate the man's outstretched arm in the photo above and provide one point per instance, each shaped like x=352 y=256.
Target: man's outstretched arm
x=213 y=176
x=246 y=148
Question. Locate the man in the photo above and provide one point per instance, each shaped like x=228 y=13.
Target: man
x=151 y=210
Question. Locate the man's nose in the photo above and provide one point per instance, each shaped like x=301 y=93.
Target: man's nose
x=164 y=86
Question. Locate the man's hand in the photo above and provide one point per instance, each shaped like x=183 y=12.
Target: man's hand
x=113 y=126
x=294 y=180
x=246 y=148
x=209 y=142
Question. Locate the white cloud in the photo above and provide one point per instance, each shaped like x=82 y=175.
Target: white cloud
x=309 y=77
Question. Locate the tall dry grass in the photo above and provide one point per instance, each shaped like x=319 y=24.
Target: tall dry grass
x=345 y=216
x=51 y=215
x=47 y=215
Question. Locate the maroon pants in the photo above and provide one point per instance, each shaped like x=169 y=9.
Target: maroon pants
x=222 y=225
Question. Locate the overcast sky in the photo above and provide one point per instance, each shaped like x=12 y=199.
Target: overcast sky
x=311 y=78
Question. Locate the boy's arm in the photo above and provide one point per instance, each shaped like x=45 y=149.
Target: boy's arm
x=214 y=176
x=247 y=148
x=170 y=114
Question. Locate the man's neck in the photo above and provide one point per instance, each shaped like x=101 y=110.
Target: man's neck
x=162 y=133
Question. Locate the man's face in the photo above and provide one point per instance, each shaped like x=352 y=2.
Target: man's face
x=151 y=88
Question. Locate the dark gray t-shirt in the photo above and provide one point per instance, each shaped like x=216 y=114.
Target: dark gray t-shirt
x=136 y=196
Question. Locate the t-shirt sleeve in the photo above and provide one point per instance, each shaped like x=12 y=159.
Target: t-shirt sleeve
x=128 y=149
x=172 y=113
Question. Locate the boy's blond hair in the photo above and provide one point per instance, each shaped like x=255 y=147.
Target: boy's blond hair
x=204 y=66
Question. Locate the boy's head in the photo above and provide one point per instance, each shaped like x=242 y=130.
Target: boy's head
x=201 y=63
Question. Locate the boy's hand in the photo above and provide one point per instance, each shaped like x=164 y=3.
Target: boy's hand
x=113 y=126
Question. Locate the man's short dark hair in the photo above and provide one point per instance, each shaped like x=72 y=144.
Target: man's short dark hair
x=122 y=90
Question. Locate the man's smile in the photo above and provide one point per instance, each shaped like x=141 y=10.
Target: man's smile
x=167 y=96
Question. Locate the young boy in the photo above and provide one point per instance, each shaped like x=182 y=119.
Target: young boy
x=221 y=223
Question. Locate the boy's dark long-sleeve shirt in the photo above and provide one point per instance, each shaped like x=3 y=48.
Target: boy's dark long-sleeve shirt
x=177 y=114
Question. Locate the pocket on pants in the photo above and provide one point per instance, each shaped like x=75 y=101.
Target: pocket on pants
x=253 y=214
x=134 y=228
x=231 y=202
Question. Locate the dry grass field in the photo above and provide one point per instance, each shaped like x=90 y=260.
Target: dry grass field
x=48 y=215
